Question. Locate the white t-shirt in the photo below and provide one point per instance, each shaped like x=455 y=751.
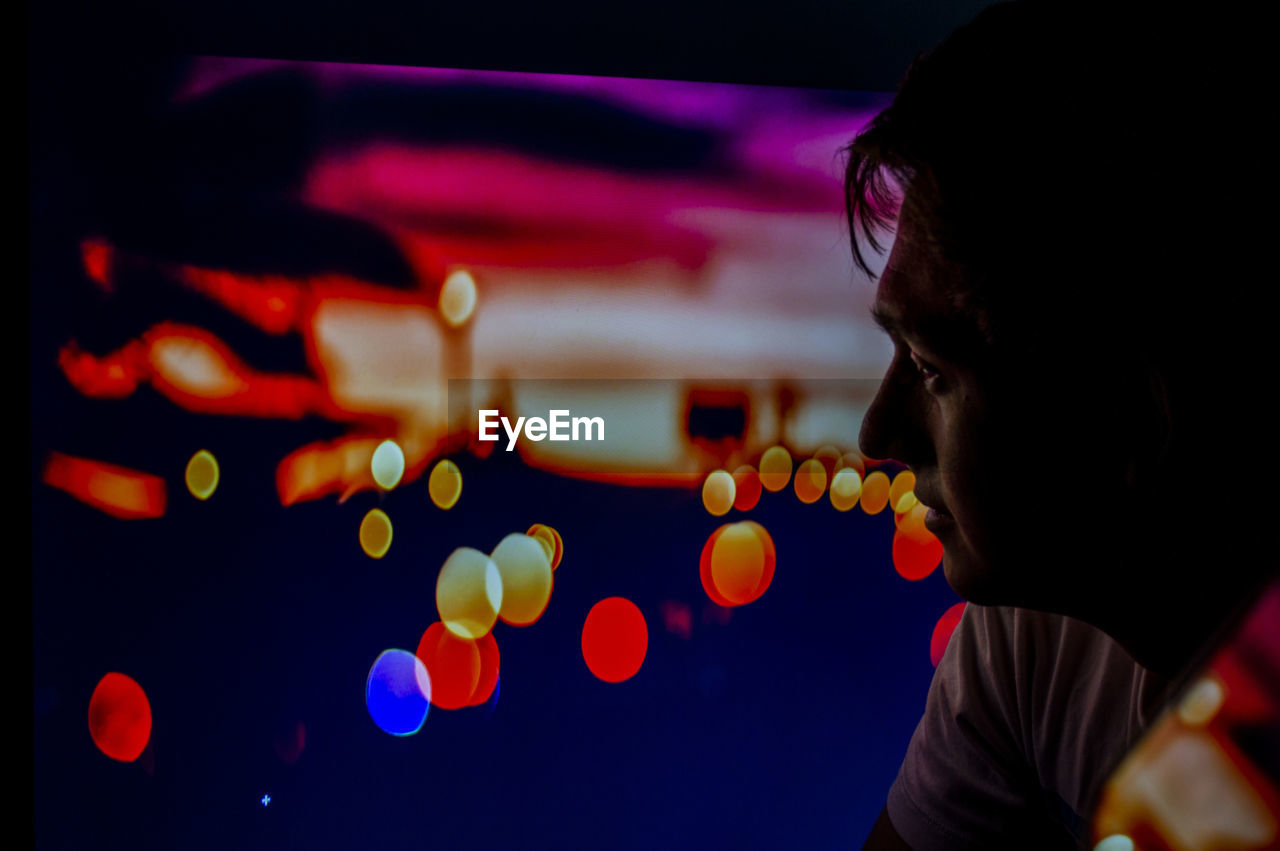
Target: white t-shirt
x=1027 y=716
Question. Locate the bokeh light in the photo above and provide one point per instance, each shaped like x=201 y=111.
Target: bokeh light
x=811 y=481
x=120 y=717
x=469 y=593
x=202 y=474
x=1201 y=702
x=901 y=495
x=829 y=457
x=453 y=664
x=775 y=469
x=846 y=487
x=398 y=692
x=547 y=544
x=614 y=639
x=444 y=485
x=1115 y=842
x=875 y=492
x=545 y=533
x=458 y=298
x=718 y=493
x=942 y=631
x=737 y=563
x=526 y=579
x=915 y=559
x=490 y=663
x=911 y=523
x=746 y=488
x=854 y=461
x=387 y=464
x=375 y=533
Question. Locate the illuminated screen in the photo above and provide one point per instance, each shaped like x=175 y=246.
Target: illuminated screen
x=459 y=459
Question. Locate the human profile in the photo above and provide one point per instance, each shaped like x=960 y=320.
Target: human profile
x=1069 y=325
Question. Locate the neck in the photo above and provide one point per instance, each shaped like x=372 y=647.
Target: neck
x=1169 y=623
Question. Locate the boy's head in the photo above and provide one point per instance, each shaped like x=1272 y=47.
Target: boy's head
x=1064 y=340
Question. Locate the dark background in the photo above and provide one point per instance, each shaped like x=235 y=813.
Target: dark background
x=781 y=728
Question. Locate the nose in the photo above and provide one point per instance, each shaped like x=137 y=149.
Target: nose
x=892 y=428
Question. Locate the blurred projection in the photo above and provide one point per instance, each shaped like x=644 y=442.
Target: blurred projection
x=469 y=593
x=553 y=540
x=526 y=578
x=614 y=639
x=387 y=465
x=737 y=563
x=914 y=558
x=775 y=469
x=375 y=533
x=746 y=488
x=120 y=717
x=811 y=481
x=718 y=493
x=875 y=492
x=202 y=474
x=445 y=484
x=398 y=692
x=458 y=298
x=453 y=664
x=846 y=487
x=118 y=491
x=942 y=632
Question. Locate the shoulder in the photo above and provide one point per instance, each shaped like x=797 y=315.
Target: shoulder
x=1025 y=710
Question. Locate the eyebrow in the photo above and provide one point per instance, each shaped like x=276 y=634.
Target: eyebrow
x=953 y=337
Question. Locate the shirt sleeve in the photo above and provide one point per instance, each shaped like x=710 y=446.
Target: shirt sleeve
x=966 y=781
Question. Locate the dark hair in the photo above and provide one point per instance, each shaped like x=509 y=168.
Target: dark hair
x=1042 y=143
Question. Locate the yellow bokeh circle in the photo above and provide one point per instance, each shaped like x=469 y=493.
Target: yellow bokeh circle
x=846 y=487
x=875 y=492
x=811 y=481
x=458 y=298
x=718 y=492
x=775 y=469
x=901 y=495
x=444 y=485
x=202 y=474
x=375 y=533
x=525 y=569
x=387 y=464
x=469 y=593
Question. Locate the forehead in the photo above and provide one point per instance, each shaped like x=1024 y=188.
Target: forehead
x=922 y=299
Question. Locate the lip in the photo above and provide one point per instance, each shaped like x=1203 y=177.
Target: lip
x=935 y=520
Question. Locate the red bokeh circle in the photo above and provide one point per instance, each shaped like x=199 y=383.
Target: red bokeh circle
x=614 y=639
x=120 y=717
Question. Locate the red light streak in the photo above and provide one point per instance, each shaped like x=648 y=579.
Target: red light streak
x=118 y=491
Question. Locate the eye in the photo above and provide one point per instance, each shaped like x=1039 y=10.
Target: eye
x=928 y=372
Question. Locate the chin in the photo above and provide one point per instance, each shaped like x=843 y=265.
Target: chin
x=973 y=581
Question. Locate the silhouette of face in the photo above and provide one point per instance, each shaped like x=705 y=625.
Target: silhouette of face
x=1005 y=447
